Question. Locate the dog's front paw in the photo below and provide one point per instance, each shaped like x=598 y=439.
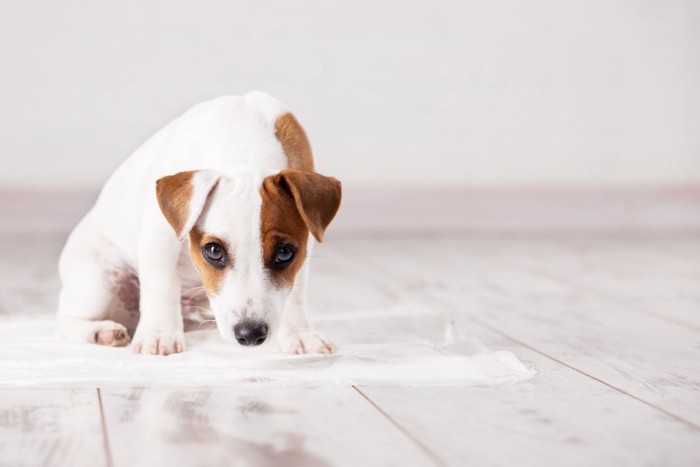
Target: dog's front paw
x=158 y=342
x=111 y=334
x=300 y=342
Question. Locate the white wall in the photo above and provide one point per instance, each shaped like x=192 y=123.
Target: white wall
x=429 y=93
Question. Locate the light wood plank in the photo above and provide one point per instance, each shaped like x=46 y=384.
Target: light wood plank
x=650 y=273
x=58 y=427
x=622 y=309
x=340 y=283
x=29 y=282
x=560 y=418
x=253 y=426
x=648 y=357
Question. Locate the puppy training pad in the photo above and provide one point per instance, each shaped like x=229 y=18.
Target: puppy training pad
x=403 y=347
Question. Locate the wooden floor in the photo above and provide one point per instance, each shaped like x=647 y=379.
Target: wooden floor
x=610 y=321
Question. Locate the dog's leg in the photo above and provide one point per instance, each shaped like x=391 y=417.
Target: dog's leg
x=86 y=293
x=160 y=329
x=103 y=332
x=297 y=335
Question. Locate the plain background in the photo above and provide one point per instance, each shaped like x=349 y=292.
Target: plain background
x=392 y=93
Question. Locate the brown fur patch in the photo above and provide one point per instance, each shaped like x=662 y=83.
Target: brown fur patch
x=174 y=193
x=212 y=277
x=294 y=142
x=315 y=196
x=280 y=224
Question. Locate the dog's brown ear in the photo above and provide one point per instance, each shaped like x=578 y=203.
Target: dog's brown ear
x=182 y=197
x=316 y=197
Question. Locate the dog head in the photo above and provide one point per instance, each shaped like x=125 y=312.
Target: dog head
x=248 y=238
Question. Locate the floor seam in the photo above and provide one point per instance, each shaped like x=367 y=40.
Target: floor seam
x=426 y=450
x=447 y=304
x=105 y=437
x=672 y=415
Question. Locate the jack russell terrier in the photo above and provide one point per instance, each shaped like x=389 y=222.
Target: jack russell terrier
x=231 y=184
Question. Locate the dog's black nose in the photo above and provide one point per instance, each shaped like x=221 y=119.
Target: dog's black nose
x=249 y=332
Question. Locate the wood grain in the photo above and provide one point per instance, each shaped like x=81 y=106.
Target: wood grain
x=253 y=426
x=51 y=427
x=566 y=315
x=560 y=418
x=611 y=322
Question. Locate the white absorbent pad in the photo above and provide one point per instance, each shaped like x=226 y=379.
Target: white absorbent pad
x=401 y=347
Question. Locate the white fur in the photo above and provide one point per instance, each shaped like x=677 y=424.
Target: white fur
x=233 y=139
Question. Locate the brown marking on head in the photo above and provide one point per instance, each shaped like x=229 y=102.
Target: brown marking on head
x=294 y=142
x=182 y=200
x=212 y=277
x=295 y=203
x=174 y=193
x=281 y=224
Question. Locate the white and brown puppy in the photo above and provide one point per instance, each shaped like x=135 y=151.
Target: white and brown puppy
x=231 y=184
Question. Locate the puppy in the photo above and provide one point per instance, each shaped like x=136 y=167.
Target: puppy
x=224 y=200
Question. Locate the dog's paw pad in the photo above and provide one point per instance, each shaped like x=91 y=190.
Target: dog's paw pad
x=306 y=342
x=118 y=337
x=159 y=343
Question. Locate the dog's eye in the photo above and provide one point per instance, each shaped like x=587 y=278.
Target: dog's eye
x=284 y=255
x=214 y=253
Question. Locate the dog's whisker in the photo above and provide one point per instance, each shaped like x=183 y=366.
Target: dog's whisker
x=198 y=289
x=201 y=310
x=196 y=294
x=206 y=321
x=193 y=296
x=196 y=313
